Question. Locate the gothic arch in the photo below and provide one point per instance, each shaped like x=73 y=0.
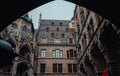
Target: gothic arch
x=22 y=69
x=25 y=52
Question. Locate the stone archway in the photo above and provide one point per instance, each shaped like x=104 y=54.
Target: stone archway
x=22 y=69
x=25 y=52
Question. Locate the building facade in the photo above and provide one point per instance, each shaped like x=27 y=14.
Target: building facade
x=97 y=44
x=56 y=55
x=20 y=34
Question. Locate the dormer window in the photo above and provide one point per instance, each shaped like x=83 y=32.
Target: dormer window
x=57 y=29
x=66 y=29
x=44 y=40
x=63 y=35
x=52 y=35
x=60 y=23
x=47 y=29
x=57 y=40
x=52 y=23
x=70 y=40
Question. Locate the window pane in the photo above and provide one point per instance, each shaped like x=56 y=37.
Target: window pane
x=60 y=68
x=74 y=67
x=44 y=40
x=60 y=54
x=43 y=53
x=24 y=32
x=70 y=41
x=42 y=68
x=54 y=67
x=82 y=17
x=75 y=54
x=57 y=41
x=53 y=53
x=57 y=53
x=68 y=54
x=69 y=67
x=71 y=52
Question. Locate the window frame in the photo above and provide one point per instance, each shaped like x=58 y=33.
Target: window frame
x=57 y=53
x=43 y=53
x=42 y=67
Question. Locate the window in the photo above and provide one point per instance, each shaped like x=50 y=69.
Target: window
x=57 y=53
x=24 y=32
x=57 y=29
x=52 y=23
x=60 y=23
x=66 y=29
x=15 y=29
x=70 y=40
x=43 y=53
x=57 y=40
x=71 y=53
x=60 y=68
x=75 y=54
x=47 y=29
x=42 y=68
x=82 y=17
x=72 y=68
x=92 y=25
x=54 y=67
x=68 y=54
x=63 y=35
x=57 y=68
x=44 y=40
x=52 y=35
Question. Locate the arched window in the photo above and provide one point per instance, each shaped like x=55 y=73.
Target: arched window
x=14 y=29
x=24 y=32
x=82 y=16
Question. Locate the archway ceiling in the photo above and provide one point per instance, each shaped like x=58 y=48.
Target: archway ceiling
x=11 y=10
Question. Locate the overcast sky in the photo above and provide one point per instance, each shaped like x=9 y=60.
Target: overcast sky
x=58 y=9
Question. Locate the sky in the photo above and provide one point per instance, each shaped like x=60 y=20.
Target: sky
x=56 y=10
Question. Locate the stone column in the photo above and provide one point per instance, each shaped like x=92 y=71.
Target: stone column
x=14 y=68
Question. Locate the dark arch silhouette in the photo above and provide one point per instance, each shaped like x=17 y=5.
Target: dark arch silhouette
x=11 y=10
x=21 y=68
